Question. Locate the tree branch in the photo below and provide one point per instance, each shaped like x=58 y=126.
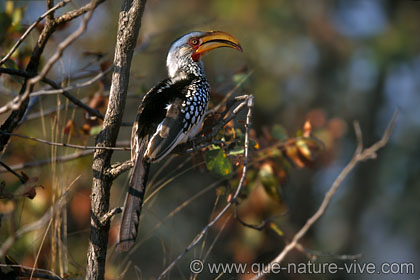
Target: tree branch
x=50 y=26
x=128 y=28
x=359 y=155
x=8 y=168
x=30 y=28
x=65 y=91
x=69 y=16
x=75 y=100
x=107 y=217
x=17 y=102
x=120 y=167
x=229 y=94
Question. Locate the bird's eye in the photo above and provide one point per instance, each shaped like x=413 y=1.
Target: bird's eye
x=193 y=41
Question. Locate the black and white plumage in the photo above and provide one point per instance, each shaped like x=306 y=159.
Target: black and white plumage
x=170 y=113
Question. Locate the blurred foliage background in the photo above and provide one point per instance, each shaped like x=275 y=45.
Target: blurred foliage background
x=329 y=62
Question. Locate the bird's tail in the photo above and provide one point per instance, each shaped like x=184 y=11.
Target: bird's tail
x=132 y=205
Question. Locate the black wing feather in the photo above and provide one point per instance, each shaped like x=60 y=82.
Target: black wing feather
x=152 y=112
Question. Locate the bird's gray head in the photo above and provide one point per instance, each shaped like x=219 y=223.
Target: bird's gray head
x=185 y=53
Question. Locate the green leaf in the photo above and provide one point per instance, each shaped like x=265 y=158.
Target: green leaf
x=270 y=182
x=276 y=229
x=218 y=163
x=17 y=17
x=236 y=151
x=253 y=144
x=95 y=130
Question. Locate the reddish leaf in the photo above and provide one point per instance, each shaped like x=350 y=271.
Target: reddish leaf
x=307 y=129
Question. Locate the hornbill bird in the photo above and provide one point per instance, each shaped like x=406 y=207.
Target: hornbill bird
x=170 y=113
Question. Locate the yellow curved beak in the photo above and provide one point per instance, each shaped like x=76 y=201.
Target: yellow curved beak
x=217 y=39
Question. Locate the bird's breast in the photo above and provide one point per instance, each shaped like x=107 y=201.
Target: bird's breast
x=195 y=105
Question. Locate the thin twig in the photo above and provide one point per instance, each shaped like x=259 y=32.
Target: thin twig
x=8 y=168
x=66 y=145
x=229 y=94
x=203 y=141
x=107 y=217
x=205 y=145
x=59 y=90
x=30 y=28
x=313 y=254
x=360 y=155
x=69 y=16
x=13 y=120
x=258 y=227
x=42 y=162
x=51 y=110
x=249 y=103
x=74 y=100
x=65 y=91
x=120 y=167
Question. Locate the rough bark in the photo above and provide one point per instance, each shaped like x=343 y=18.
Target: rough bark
x=128 y=29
